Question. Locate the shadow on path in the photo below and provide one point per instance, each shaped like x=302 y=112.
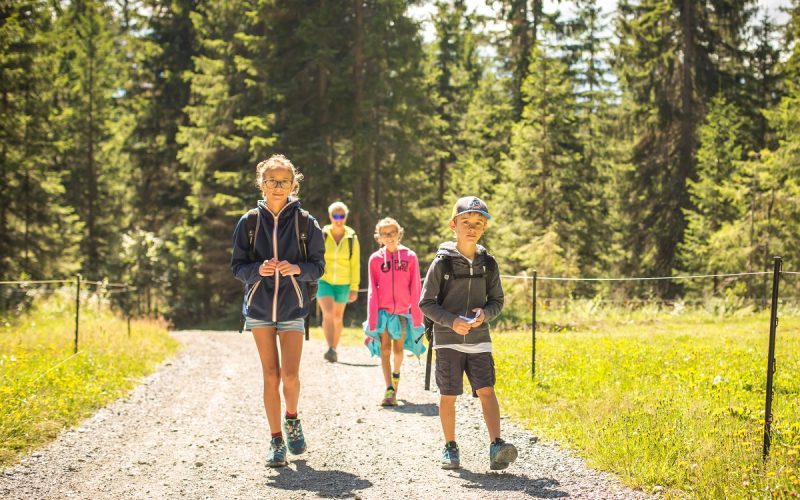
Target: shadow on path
x=538 y=488
x=361 y=365
x=326 y=483
x=426 y=409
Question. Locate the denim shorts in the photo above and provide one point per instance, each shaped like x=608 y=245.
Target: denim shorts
x=298 y=324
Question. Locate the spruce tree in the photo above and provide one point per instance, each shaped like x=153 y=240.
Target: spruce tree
x=39 y=229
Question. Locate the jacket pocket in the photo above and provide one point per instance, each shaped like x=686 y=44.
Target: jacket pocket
x=298 y=292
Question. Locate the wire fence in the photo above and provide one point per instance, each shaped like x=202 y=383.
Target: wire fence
x=107 y=288
x=723 y=288
x=527 y=285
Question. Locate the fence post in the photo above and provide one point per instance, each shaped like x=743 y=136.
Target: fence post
x=773 y=325
x=77 y=310
x=127 y=309
x=533 y=326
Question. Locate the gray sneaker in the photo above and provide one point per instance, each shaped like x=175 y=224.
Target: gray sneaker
x=501 y=454
x=450 y=456
x=294 y=435
x=331 y=355
x=276 y=456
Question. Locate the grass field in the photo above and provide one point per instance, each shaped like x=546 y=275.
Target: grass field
x=672 y=401
x=45 y=388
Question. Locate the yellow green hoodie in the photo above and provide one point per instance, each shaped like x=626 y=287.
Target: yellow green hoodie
x=340 y=269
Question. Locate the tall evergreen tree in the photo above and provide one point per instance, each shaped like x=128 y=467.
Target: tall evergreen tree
x=39 y=230
x=228 y=130
x=716 y=203
x=544 y=191
x=669 y=61
x=90 y=124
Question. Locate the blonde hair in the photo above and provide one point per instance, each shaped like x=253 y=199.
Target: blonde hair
x=278 y=162
x=338 y=205
x=388 y=221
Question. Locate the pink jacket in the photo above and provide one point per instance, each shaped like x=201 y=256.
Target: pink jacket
x=394 y=285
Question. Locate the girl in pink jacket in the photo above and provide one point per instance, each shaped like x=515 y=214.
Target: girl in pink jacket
x=394 y=319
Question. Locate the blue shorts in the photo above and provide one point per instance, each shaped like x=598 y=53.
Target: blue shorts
x=340 y=293
x=298 y=324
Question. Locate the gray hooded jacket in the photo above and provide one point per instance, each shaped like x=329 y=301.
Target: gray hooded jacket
x=461 y=296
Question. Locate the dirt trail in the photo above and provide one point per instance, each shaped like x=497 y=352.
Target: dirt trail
x=196 y=428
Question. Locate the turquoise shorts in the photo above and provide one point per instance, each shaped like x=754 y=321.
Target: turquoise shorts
x=340 y=293
x=292 y=325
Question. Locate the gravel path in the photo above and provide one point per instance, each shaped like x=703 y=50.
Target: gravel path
x=196 y=428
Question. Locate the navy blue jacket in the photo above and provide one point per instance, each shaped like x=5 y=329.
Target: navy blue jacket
x=261 y=298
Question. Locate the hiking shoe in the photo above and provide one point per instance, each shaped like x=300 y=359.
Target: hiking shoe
x=395 y=383
x=389 y=397
x=294 y=435
x=276 y=456
x=331 y=355
x=450 y=456
x=501 y=454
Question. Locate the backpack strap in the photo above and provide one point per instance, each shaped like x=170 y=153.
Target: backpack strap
x=448 y=274
x=253 y=222
x=301 y=230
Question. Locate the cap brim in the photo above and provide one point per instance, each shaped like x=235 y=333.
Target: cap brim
x=485 y=214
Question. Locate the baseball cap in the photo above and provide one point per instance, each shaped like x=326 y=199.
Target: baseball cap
x=470 y=204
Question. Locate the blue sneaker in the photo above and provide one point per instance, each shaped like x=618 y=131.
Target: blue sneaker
x=294 y=435
x=276 y=456
x=501 y=454
x=450 y=456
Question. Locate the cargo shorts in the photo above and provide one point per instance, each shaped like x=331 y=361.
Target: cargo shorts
x=451 y=365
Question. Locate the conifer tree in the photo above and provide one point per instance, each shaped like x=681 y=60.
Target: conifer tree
x=670 y=60
x=228 y=131
x=544 y=193
x=90 y=124
x=39 y=230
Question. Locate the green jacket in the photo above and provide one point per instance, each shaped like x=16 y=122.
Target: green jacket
x=340 y=269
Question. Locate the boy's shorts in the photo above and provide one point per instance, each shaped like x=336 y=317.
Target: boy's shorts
x=298 y=324
x=340 y=293
x=451 y=365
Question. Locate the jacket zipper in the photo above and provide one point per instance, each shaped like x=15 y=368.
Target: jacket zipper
x=391 y=266
x=335 y=255
x=469 y=289
x=275 y=255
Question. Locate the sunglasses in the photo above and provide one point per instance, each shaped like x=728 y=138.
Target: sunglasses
x=338 y=216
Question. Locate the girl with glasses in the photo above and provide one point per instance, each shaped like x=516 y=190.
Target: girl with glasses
x=394 y=319
x=339 y=285
x=277 y=269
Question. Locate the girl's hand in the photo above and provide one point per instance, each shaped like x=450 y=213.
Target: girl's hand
x=460 y=326
x=286 y=268
x=353 y=296
x=267 y=268
x=479 y=317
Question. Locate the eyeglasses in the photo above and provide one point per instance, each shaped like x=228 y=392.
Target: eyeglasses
x=274 y=183
x=338 y=216
x=388 y=235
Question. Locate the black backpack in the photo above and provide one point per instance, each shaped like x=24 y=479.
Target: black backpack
x=490 y=270
x=254 y=221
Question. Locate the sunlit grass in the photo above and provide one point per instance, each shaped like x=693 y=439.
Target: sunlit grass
x=671 y=403
x=44 y=387
x=669 y=398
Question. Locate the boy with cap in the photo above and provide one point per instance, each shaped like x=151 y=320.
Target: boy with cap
x=462 y=291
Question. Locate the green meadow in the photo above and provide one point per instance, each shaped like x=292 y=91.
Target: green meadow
x=669 y=399
x=45 y=388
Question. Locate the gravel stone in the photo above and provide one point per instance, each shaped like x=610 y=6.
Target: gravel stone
x=196 y=428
